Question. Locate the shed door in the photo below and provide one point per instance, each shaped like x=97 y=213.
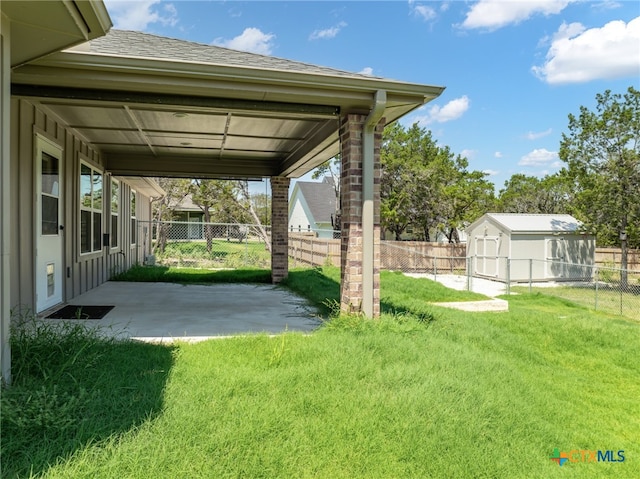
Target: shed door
x=556 y=260
x=49 y=208
x=487 y=255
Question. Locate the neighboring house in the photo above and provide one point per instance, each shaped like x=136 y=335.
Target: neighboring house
x=188 y=221
x=543 y=247
x=88 y=115
x=312 y=207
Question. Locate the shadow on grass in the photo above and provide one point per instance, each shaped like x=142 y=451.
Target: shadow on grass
x=321 y=286
x=73 y=387
x=165 y=274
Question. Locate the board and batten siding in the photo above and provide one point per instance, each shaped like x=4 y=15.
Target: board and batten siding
x=80 y=272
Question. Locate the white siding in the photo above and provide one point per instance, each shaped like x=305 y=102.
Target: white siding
x=298 y=217
x=81 y=272
x=5 y=196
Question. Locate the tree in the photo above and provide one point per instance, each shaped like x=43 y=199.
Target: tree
x=211 y=195
x=602 y=151
x=528 y=194
x=164 y=208
x=426 y=186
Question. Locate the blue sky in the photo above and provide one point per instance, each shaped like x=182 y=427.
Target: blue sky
x=513 y=69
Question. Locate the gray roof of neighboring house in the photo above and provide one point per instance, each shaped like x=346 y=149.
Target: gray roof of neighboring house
x=521 y=222
x=187 y=204
x=136 y=44
x=320 y=198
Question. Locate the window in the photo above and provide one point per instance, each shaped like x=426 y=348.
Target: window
x=134 y=225
x=115 y=210
x=49 y=195
x=90 y=209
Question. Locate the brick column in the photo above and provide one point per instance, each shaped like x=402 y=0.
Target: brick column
x=279 y=224
x=351 y=186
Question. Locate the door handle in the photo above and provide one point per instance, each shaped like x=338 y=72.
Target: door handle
x=61 y=227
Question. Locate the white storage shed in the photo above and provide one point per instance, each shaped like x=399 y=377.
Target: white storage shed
x=521 y=247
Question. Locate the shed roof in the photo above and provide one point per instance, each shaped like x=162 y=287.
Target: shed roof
x=534 y=223
x=320 y=198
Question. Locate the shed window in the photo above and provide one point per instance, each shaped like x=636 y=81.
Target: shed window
x=90 y=209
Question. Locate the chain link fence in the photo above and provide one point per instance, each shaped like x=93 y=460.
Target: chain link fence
x=602 y=288
x=216 y=245
x=209 y=245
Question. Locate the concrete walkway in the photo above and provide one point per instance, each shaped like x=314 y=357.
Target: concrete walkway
x=478 y=285
x=162 y=312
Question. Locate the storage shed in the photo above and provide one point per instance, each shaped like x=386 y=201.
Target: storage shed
x=521 y=247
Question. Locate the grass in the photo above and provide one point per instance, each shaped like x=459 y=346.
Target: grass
x=223 y=254
x=463 y=395
x=165 y=274
x=605 y=299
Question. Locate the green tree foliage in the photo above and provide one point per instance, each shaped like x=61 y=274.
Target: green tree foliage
x=528 y=194
x=212 y=196
x=602 y=152
x=427 y=186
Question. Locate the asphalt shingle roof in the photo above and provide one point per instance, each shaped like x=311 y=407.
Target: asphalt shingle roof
x=320 y=198
x=128 y=43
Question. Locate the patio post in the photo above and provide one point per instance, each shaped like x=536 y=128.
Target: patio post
x=360 y=204
x=279 y=228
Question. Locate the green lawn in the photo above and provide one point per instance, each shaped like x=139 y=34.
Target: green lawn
x=223 y=254
x=422 y=392
x=605 y=299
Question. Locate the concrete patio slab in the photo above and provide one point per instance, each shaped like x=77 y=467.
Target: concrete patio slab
x=163 y=312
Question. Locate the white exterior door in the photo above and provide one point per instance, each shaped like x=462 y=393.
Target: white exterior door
x=555 y=264
x=487 y=255
x=49 y=207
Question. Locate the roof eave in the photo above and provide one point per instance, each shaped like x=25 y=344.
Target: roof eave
x=321 y=88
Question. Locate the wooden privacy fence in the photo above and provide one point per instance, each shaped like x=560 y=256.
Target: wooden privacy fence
x=306 y=249
x=612 y=256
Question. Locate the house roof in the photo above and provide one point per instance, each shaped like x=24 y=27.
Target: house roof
x=320 y=198
x=186 y=204
x=533 y=223
x=155 y=106
x=126 y=43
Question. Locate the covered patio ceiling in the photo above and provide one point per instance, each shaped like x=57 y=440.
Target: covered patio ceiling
x=154 y=106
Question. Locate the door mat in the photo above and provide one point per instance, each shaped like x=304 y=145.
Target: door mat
x=80 y=312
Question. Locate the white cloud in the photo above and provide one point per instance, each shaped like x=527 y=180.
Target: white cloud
x=139 y=14
x=578 y=55
x=497 y=154
x=367 y=71
x=451 y=111
x=327 y=33
x=536 y=135
x=491 y=172
x=539 y=157
x=250 y=40
x=424 y=12
x=468 y=154
x=494 y=14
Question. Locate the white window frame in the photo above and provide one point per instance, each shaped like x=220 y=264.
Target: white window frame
x=92 y=249
x=118 y=201
x=133 y=202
